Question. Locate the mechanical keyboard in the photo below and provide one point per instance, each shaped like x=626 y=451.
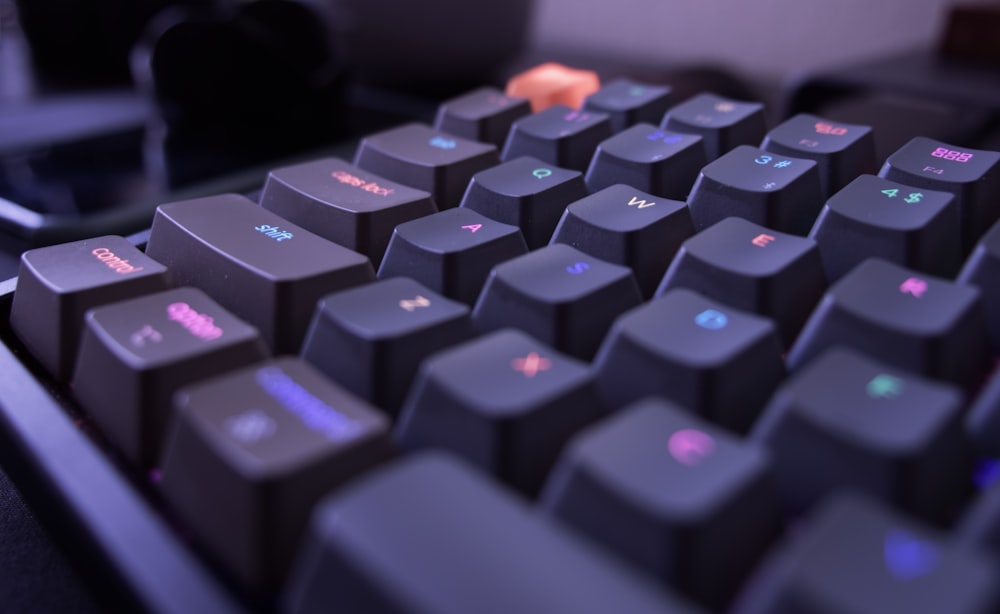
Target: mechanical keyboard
x=630 y=355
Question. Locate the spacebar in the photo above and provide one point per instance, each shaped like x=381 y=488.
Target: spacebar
x=431 y=534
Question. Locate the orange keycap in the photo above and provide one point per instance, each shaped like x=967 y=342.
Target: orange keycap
x=550 y=84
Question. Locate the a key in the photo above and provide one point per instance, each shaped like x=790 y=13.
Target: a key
x=343 y=203
x=907 y=319
x=626 y=226
x=427 y=159
x=854 y=556
x=261 y=267
x=877 y=218
x=972 y=175
x=57 y=284
x=772 y=190
x=372 y=338
x=658 y=486
x=527 y=193
x=723 y=123
x=752 y=268
x=628 y=102
x=397 y=540
x=505 y=402
x=451 y=252
x=982 y=270
x=562 y=296
x=558 y=135
x=845 y=420
x=842 y=151
x=716 y=361
x=253 y=450
x=649 y=159
x=484 y=115
x=135 y=354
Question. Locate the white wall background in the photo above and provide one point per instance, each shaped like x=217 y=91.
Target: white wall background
x=772 y=39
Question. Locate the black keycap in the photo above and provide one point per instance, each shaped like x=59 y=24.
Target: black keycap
x=427 y=159
x=842 y=151
x=723 y=123
x=430 y=534
x=776 y=191
x=558 y=135
x=845 y=420
x=712 y=359
x=907 y=319
x=661 y=488
x=979 y=526
x=629 y=102
x=626 y=226
x=135 y=354
x=752 y=268
x=972 y=175
x=372 y=338
x=57 y=284
x=649 y=159
x=562 y=296
x=982 y=270
x=857 y=557
x=484 y=115
x=983 y=421
x=451 y=252
x=343 y=203
x=261 y=267
x=505 y=402
x=527 y=193
x=875 y=217
x=252 y=451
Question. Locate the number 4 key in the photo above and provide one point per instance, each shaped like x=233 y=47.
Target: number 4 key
x=972 y=175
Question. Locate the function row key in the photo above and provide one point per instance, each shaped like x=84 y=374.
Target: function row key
x=427 y=159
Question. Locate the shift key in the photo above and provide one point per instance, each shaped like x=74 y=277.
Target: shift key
x=261 y=267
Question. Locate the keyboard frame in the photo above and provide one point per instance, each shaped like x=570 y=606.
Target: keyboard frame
x=112 y=533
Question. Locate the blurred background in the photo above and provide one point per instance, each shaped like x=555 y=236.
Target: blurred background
x=767 y=41
x=108 y=106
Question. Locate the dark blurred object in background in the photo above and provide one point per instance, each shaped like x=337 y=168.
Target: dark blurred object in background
x=240 y=87
x=973 y=35
x=85 y=43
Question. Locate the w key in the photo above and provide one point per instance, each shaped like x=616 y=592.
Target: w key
x=266 y=270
